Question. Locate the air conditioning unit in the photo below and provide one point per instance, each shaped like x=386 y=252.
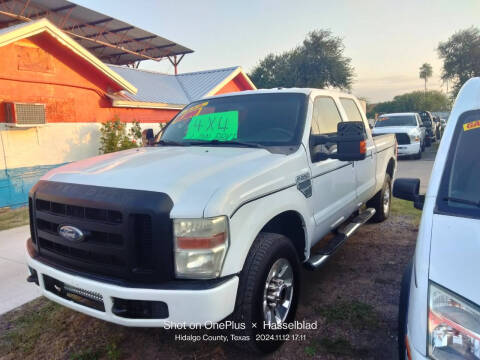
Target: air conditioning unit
x=24 y=114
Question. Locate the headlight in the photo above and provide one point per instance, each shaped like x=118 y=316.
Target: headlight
x=453 y=326
x=414 y=138
x=200 y=247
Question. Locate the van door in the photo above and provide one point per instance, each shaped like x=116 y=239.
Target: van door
x=333 y=181
x=365 y=169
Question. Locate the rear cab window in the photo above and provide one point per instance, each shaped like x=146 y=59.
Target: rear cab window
x=351 y=109
x=459 y=193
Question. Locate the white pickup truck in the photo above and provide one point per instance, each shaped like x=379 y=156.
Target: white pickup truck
x=213 y=220
x=408 y=130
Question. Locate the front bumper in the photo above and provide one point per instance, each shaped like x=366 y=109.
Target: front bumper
x=409 y=149
x=184 y=306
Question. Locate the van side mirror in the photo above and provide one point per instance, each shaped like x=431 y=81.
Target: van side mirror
x=148 y=137
x=350 y=139
x=409 y=189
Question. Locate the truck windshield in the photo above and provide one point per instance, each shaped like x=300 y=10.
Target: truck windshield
x=397 y=120
x=460 y=187
x=256 y=120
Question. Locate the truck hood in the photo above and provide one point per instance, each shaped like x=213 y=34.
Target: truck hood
x=394 y=130
x=454 y=254
x=189 y=175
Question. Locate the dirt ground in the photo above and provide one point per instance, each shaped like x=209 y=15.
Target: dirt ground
x=353 y=299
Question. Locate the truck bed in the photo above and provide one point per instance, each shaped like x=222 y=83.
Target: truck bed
x=383 y=141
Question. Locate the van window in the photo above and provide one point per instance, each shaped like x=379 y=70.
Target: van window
x=351 y=109
x=460 y=187
x=325 y=116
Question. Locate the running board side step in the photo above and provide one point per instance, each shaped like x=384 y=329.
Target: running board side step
x=343 y=233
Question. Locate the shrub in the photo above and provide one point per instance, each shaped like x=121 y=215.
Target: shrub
x=115 y=136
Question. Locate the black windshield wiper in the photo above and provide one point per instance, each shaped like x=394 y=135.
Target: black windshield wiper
x=219 y=142
x=169 y=143
x=462 y=201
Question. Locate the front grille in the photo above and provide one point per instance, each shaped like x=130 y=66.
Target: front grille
x=118 y=226
x=80 y=212
x=402 y=139
x=88 y=256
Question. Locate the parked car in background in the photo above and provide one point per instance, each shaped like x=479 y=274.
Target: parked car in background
x=438 y=127
x=408 y=130
x=439 y=314
x=443 y=122
x=430 y=127
x=216 y=218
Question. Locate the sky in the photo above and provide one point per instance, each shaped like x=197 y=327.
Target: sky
x=387 y=40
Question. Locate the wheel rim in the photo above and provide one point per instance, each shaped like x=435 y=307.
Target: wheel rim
x=278 y=292
x=386 y=200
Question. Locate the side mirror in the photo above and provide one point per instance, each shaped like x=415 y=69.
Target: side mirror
x=148 y=137
x=409 y=189
x=351 y=142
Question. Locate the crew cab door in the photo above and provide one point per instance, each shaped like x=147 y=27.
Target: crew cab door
x=333 y=181
x=365 y=170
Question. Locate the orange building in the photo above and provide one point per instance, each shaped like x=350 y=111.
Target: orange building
x=54 y=94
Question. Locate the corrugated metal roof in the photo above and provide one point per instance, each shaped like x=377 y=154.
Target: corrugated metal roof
x=12 y=28
x=198 y=84
x=172 y=89
x=153 y=86
x=109 y=39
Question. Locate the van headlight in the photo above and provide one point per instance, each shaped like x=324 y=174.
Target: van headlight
x=200 y=247
x=453 y=326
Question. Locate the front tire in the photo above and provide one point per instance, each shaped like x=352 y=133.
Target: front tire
x=268 y=292
x=382 y=201
x=403 y=310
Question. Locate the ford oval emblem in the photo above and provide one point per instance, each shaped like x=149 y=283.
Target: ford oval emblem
x=70 y=233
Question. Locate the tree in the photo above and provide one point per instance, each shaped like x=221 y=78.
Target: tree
x=319 y=62
x=414 y=101
x=461 y=57
x=115 y=136
x=425 y=73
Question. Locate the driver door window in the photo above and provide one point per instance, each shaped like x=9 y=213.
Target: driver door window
x=324 y=122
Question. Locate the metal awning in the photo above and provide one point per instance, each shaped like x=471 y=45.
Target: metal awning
x=111 y=40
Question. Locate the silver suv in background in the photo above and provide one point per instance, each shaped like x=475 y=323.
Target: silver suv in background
x=408 y=130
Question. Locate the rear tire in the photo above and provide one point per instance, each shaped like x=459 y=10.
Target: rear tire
x=382 y=201
x=263 y=293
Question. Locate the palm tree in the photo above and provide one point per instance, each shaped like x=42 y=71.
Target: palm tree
x=425 y=73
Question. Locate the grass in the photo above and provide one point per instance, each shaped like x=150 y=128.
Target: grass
x=404 y=207
x=24 y=331
x=10 y=218
x=86 y=355
x=337 y=347
x=358 y=314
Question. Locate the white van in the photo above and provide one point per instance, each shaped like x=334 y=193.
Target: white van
x=439 y=315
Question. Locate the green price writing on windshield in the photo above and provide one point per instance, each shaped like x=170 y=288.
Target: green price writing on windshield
x=222 y=126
